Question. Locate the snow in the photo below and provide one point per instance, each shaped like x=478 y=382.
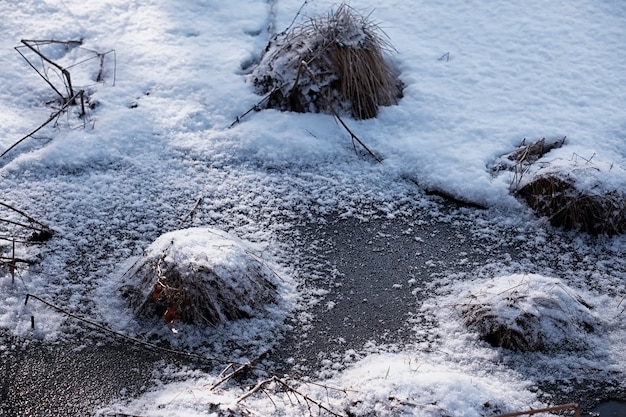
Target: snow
x=545 y=313
x=383 y=384
x=479 y=78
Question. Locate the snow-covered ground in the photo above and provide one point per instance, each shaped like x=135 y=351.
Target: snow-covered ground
x=479 y=78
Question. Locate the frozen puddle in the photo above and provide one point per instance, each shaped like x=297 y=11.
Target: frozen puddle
x=609 y=408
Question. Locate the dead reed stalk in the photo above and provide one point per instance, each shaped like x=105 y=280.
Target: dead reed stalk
x=52 y=117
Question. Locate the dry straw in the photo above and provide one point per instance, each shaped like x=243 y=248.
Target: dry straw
x=197 y=294
x=347 y=68
x=572 y=208
x=553 y=190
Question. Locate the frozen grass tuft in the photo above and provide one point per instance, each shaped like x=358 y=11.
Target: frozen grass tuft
x=577 y=194
x=536 y=314
x=345 y=53
x=199 y=276
x=558 y=198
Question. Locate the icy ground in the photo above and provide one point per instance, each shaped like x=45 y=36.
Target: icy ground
x=479 y=78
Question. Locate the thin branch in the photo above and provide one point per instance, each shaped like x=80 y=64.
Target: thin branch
x=123 y=336
x=190 y=213
x=242 y=368
x=336 y=115
x=28 y=226
x=13 y=260
x=13 y=238
x=40 y=74
x=64 y=71
x=531 y=412
x=49 y=41
x=257 y=387
x=51 y=118
x=99 y=76
x=620 y=303
x=229 y=366
x=307 y=398
x=12 y=263
x=255 y=107
x=296 y=16
x=293 y=90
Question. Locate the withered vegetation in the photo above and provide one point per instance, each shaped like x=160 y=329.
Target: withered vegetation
x=329 y=64
x=199 y=291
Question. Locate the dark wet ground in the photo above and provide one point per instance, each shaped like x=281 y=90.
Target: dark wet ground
x=374 y=273
x=40 y=379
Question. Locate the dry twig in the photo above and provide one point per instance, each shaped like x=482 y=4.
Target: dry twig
x=336 y=115
x=289 y=389
x=54 y=115
x=190 y=214
x=532 y=412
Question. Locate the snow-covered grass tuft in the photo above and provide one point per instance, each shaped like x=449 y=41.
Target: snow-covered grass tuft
x=329 y=64
x=200 y=276
x=574 y=192
x=202 y=290
x=580 y=194
x=536 y=313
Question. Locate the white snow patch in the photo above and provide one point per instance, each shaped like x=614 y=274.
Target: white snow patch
x=408 y=384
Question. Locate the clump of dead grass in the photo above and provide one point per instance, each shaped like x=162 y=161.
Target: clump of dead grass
x=336 y=61
x=536 y=314
x=577 y=194
x=522 y=159
x=216 y=281
x=566 y=206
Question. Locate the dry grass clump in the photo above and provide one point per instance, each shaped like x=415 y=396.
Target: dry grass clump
x=521 y=160
x=566 y=206
x=538 y=314
x=576 y=194
x=336 y=61
x=209 y=282
x=529 y=153
x=522 y=334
